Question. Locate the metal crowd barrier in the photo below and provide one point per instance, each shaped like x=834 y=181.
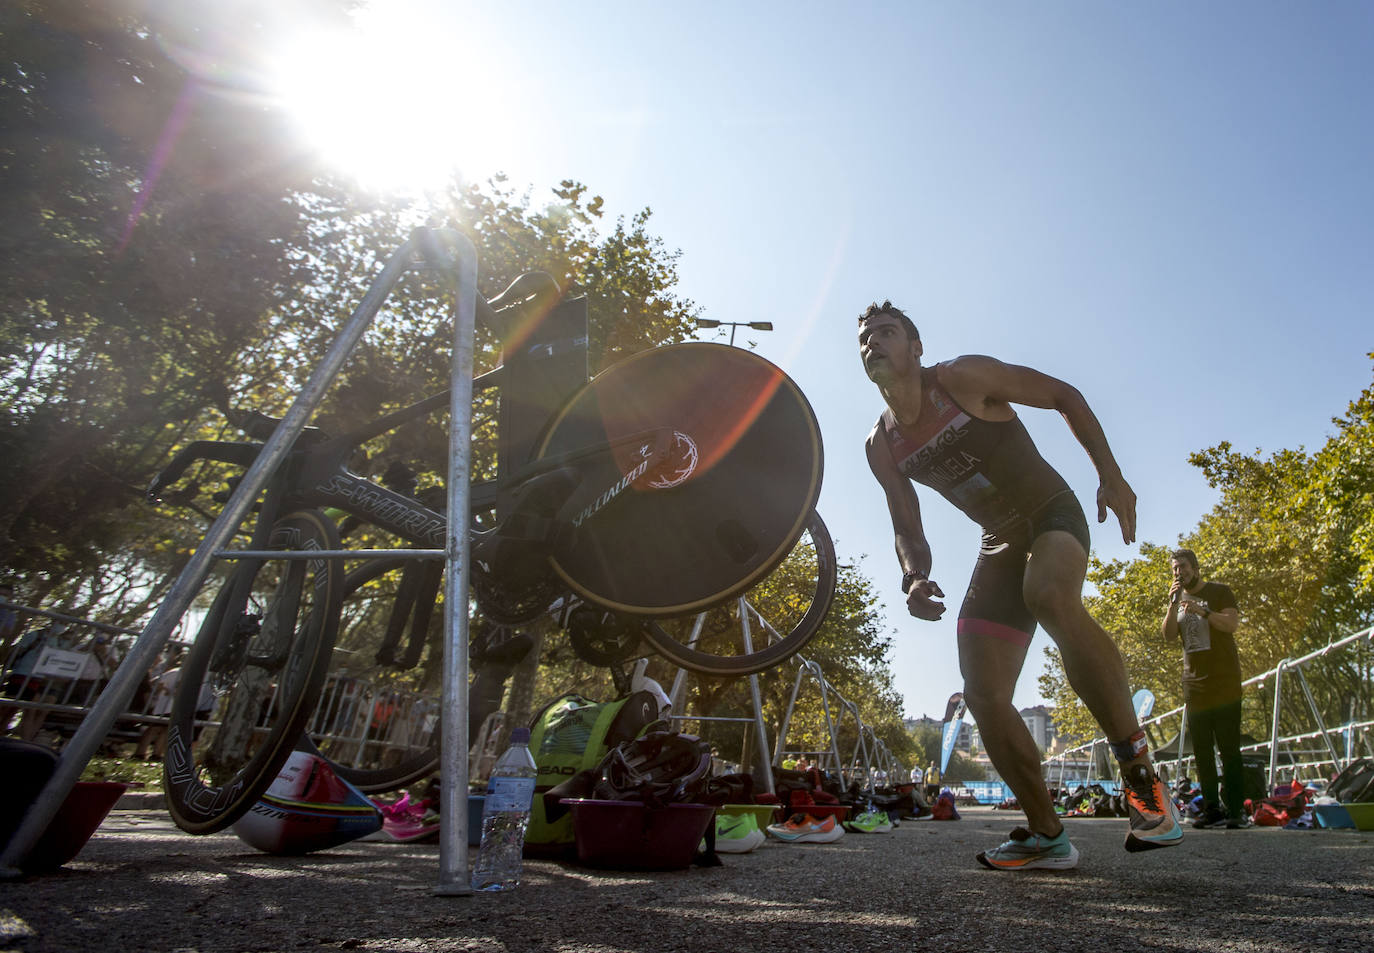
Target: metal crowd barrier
x=1307 y=755
x=52 y=676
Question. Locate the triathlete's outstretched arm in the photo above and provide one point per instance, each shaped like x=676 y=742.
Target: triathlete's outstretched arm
x=913 y=552
x=1000 y=385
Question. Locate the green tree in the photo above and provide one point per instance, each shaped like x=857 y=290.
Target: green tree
x=145 y=228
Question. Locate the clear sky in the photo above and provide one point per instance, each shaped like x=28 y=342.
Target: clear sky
x=1170 y=205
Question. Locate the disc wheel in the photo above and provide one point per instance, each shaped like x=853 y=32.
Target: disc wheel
x=698 y=464
x=262 y=651
x=784 y=612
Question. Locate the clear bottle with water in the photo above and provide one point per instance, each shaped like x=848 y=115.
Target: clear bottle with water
x=505 y=815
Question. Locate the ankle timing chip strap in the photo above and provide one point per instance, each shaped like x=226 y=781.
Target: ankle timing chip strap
x=1131 y=748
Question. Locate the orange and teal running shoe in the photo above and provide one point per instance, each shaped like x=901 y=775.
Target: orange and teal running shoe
x=1028 y=851
x=1154 y=818
x=805 y=829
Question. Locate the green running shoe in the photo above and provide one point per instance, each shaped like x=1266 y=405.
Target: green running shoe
x=869 y=822
x=737 y=833
x=1027 y=851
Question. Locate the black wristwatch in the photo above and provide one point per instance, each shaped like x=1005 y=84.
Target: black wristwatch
x=909 y=579
x=1206 y=611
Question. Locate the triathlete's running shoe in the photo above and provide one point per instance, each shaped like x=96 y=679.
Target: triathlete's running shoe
x=1027 y=851
x=805 y=829
x=737 y=833
x=1154 y=818
x=869 y=822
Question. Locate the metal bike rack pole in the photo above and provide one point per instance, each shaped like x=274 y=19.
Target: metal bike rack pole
x=830 y=722
x=787 y=714
x=1317 y=717
x=761 y=734
x=1182 y=737
x=120 y=691
x=453 y=751
x=679 y=691
x=804 y=668
x=1274 y=725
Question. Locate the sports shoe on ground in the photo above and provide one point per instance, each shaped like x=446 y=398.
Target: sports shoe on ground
x=406 y=820
x=1211 y=817
x=1154 y=819
x=737 y=833
x=869 y=822
x=1027 y=851
x=805 y=829
x=1239 y=823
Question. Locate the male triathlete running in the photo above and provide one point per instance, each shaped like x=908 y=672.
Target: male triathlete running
x=952 y=427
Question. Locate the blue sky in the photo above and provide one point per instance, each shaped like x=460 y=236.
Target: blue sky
x=1168 y=205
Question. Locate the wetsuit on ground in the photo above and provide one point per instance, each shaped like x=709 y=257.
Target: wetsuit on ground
x=991 y=471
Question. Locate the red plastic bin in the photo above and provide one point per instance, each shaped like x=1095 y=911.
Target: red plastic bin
x=81 y=813
x=626 y=835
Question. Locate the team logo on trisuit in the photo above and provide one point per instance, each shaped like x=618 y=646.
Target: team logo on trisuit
x=681 y=463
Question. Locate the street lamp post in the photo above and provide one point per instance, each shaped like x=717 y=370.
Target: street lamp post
x=756 y=325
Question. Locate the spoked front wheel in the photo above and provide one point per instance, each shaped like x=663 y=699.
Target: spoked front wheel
x=782 y=613
x=252 y=677
x=377 y=720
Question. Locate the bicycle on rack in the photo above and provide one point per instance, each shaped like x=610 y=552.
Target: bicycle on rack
x=634 y=504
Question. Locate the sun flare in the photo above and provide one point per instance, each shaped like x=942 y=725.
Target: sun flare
x=393 y=102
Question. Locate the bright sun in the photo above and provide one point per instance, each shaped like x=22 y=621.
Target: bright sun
x=396 y=102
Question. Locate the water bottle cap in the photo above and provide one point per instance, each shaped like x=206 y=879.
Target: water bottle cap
x=520 y=736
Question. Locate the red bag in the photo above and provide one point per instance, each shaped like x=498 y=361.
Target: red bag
x=1270 y=816
x=944 y=809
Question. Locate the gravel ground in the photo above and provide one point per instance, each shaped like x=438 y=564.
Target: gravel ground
x=141 y=885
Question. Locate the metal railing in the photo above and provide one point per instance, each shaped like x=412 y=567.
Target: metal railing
x=1307 y=755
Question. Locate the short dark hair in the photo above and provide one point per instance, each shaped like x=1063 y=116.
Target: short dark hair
x=1185 y=555
x=888 y=308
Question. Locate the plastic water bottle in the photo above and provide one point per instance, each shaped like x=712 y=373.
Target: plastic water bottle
x=505 y=815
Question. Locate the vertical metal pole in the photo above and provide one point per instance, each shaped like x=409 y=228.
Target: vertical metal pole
x=453 y=762
x=825 y=710
x=760 y=732
x=1274 y=726
x=1317 y=717
x=787 y=717
x=678 y=695
x=1182 y=737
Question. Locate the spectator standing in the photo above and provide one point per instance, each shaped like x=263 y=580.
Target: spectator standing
x=932 y=781
x=1203 y=616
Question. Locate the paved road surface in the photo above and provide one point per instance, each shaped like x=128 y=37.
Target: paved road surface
x=140 y=885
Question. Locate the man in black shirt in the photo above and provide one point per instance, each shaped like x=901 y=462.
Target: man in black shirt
x=1204 y=617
